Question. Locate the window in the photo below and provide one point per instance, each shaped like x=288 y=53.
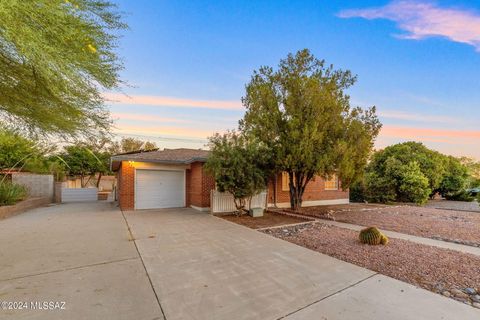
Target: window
x=331 y=183
x=285 y=181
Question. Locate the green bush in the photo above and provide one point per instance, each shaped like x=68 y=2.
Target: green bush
x=357 y=192
x=414 y=185
x=460 y=196
x=11 y=193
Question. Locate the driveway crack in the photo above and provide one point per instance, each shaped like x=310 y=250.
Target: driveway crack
x=328 y=296
x=143 y=263
x=68 y=269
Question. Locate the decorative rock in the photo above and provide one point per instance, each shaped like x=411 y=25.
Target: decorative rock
x=476 y=305
x=476 y=298
x=459 y=294
x=446 y=293
x=470 y=291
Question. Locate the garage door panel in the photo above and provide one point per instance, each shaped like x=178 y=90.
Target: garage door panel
x=159 y=189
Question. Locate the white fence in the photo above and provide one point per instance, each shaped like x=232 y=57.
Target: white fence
x=223 y=201
x=79 y=194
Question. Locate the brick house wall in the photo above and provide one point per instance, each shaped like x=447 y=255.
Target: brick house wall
x=126 y=186
x=199 y=185
x=314 y=191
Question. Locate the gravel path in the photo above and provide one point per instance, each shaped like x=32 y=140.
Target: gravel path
x=455 y=226
x=443 y=271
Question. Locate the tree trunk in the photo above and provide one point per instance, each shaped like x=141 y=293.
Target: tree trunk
x=297 y=184
x=275 y=180
x=240 y=205
x=98 y=180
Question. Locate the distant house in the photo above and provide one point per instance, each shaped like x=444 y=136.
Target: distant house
x=172 y=178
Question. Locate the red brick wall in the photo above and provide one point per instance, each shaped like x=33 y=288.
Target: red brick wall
x=194 y=182
x=199 y=185
x=315 y=190
x=208 y=184
x=126 y=186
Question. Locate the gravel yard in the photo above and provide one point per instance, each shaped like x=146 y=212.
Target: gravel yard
x=451 y=273
x=269 y=219
x=449 y=225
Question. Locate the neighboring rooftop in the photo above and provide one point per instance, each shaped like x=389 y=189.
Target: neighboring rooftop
x=172 y=156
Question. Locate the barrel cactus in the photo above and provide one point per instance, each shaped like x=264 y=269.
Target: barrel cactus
x=373 y=236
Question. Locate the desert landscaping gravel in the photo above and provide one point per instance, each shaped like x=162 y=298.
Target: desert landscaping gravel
x=449 y=225
x=451 y=273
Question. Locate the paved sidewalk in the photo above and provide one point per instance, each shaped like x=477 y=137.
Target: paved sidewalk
x=203 y=267
x=431 y=242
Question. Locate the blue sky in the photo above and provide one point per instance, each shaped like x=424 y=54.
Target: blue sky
x=188 y=63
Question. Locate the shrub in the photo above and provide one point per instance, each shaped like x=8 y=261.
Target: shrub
x=460 y=196
x=357 y=192
x=379 y=188
x=413 y=184
x=372 y=236
x=11 y=193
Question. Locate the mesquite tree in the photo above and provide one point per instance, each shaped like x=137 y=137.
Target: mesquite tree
x=302 y=113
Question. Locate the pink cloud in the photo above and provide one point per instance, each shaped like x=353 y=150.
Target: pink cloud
x=165 y=130
x=173 y=102
x=147 y=118
x=425 y=19
x=440 y=135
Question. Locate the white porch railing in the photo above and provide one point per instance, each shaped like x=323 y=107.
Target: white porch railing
x=221 y=202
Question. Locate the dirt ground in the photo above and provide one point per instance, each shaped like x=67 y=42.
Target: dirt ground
x=449 y=225
x=269 y=219
x=440 y=270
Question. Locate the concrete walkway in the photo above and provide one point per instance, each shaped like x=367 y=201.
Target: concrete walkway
x=191 y=266
x=79 y=254
x=431 y=242
x=203 y=267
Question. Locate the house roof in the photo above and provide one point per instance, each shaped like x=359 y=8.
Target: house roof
x=168 y=156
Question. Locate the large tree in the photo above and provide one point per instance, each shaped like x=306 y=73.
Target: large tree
x=302 y=113
x=56 y=59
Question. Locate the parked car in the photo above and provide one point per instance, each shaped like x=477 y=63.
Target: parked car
x=473 y=191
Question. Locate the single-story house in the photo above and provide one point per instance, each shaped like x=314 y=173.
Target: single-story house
x=173 y=178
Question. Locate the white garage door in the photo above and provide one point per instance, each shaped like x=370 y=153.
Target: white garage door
x=159 y=189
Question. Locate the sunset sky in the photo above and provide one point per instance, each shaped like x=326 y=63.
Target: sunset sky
x=187 y=63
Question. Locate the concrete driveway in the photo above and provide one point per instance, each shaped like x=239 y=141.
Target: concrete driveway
x=203 y=267
x=191 y=266
x=79 y=254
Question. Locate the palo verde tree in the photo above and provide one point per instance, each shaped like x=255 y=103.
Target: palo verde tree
x=56 y=59
x=239 y=166
x=302 y=113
